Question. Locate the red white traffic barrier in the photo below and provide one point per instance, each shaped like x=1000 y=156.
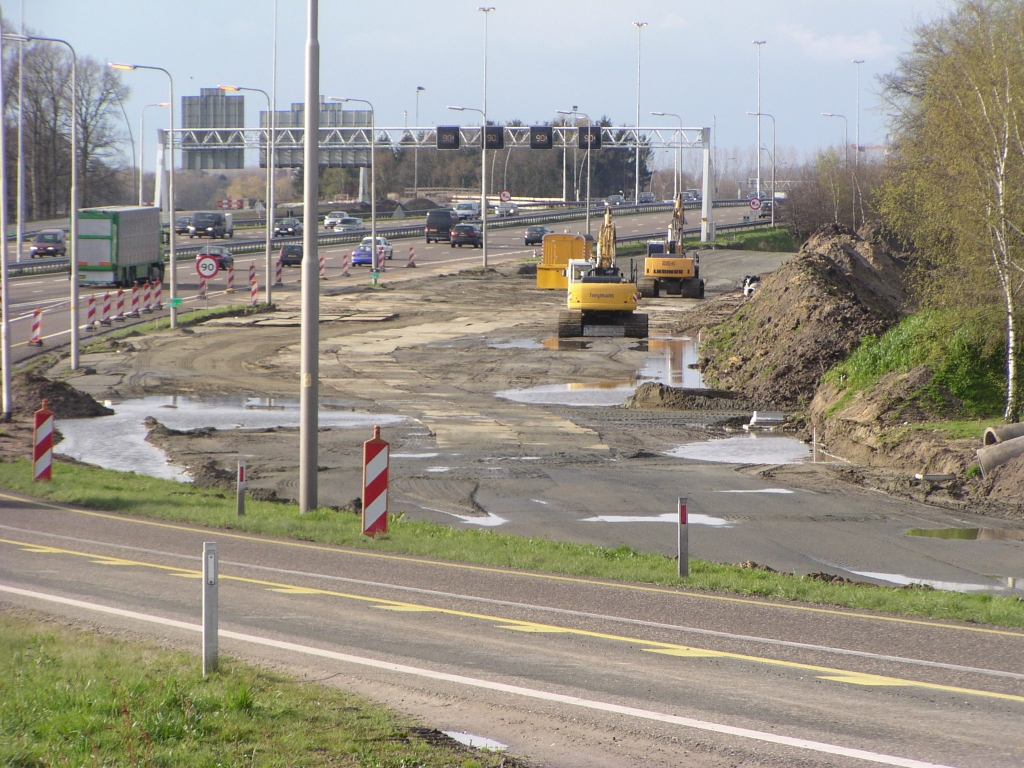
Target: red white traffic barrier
x=375 y=485
x=412 y=257
x=323 y=266
x=119 y=317
x=42 y=444
x=158 y=293
x=35 y=337
x=135 y=301
x=380 y=258
x=105 y=314
x=254 y=286
x=278 y=273
x=345 y=265
x=202 y=287
x=231 y=279
x=147 y=298
x=90 y=312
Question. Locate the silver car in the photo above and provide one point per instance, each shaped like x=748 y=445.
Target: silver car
x=349 y=224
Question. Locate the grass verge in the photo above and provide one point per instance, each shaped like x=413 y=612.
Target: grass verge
x=186 y=317
x=778 y=240
x=75 y=698
x=150 y=497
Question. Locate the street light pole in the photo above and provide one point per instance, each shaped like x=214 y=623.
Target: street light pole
x=678 y=159
x=270 y=182
x=846 y=148
x=5 y=330
x=636 y=181
x=172 y=245
x=590 y=138
x=856 y=156
x=142 y=146
x=416 y=148
x=486 y=10
x=759 y=43
x=760 y=115
x=374 y=260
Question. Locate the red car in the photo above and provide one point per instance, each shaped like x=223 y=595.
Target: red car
x=220 y=253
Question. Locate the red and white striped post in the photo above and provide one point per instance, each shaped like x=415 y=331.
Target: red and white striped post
x=345 y=263
x=105 y=314
x=231 y=279
x=35 y=337
x=202 y=287
x=158 y=295
x=412 y=257
x=684 y=540
x=323 y=266
x=147 y=298
x=240 y=491
x=135 y=301
x=42 y=444
x=90 y=312
x=254 y=286
x=375 y=485
x=278 y=273
x=119 y=317
x=380 y=258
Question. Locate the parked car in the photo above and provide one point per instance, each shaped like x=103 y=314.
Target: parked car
x=208 y=224
x=439 y=224
x=507 y=209
x=289 y=227
x=181 y=225
x=333 y=219
x=363 y=254
x=467 y=234
x=219 y=253
x=535 y=234
x=645 y=197
x=49 y=242
x=615 y=200
x=350 y=224
x=290 y=255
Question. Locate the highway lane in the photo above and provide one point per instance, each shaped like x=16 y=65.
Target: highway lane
x=572 y=671
x=50 y=292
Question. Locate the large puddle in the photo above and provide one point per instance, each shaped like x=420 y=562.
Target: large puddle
x=748 y=449
x=119 y=441
x=669 y=361
x=970 y=534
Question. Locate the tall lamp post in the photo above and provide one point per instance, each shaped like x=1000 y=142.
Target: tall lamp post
x=416 y=148
x=636 y=181
x=760 y=115
x=270 y=180
x=856 y=156
x=374 y=258
x=74 y=187
x=483 y=174
x=575 y=112
x=5 y=335
x=846 y=148
x=172 y=252
x=759 y=43
x=678 y=159
x=142 y=147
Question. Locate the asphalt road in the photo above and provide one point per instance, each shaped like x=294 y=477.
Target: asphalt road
x=568 y=671
x=50 y=292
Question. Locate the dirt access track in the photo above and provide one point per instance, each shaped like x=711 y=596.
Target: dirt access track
x=434 y=349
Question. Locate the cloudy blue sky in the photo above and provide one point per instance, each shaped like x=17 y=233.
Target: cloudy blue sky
x=697 y=58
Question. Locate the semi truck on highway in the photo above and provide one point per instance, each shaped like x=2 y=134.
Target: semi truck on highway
x=119 y=246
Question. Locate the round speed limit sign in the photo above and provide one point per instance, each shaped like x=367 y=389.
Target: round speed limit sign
x=207 y=267
x=505 y=196
x=755 y=204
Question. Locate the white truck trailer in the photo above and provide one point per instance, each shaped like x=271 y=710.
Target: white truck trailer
x=119 y=246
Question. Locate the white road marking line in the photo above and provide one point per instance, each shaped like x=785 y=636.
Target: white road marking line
x=491 y=521
x=474 y=682
x=762 y=490
x=665 y=517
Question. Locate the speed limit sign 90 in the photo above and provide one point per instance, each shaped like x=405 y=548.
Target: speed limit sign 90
x=207 y=267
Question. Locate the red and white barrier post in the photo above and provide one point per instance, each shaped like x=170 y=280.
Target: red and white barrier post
x=684 y=540
x=345 y=263
x=254 y=286
x=412 y=257
x=231 y=279
x=202 y=287
x=90 y=312
x=240 y=491
x=278 y=273
x=375 y=485
x=119 y=317
x=105 y=314
x=42 y=444
x=135 y=301
x=147 y=298
x=323 y=266
x=158 y=295
x=35 y=337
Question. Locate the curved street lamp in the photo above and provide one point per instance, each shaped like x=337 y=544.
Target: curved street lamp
x=574 y=112
x=759 y=115
x=678 y=158
x=483 y=171
x=374 y=256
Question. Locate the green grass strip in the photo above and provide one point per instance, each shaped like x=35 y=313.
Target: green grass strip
x=130 y=493
x=74 y=698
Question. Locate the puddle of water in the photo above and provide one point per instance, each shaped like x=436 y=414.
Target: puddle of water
x=515 y=344
x=119 y=441
x=439 y=469
x=666 y=517
x=668 y=363
x=972 y=534
x=477 y=742
x=414 y=455
x=950 y=586
x=748 y=449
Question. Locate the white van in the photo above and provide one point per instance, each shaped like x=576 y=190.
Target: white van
x=468 y=210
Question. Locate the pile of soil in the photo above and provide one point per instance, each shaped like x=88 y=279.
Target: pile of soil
x=654 y=395
x=805 y=317
x=66 y=402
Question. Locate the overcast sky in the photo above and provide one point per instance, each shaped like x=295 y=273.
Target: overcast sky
x=697 y=58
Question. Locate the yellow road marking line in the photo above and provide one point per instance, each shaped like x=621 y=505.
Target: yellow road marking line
x=528 y=574
x=670 y=649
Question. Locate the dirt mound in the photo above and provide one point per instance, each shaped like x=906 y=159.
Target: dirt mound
x=66 y=402
x=654 y=395
x=805 y=317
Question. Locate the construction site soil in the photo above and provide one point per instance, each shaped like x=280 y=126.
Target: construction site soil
x=443 y=351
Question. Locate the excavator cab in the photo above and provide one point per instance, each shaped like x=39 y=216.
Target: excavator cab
x=668 y=268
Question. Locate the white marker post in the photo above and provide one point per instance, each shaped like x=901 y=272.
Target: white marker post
x=240 y=493
x=210 y=613
x=684 y=540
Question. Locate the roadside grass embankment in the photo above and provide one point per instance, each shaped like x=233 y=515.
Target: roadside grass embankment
x=72 y=697
x=129 y=493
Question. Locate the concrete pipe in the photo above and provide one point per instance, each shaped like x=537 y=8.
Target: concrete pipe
x=992 y=456
x=1003 y=433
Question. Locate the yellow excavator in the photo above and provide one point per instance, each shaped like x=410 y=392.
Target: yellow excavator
x=668 y=268
x=601 y=300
